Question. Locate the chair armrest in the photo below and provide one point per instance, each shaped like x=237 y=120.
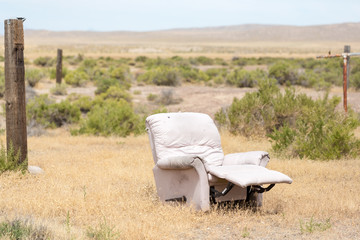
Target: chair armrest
x=177 y=163
x=259 y=158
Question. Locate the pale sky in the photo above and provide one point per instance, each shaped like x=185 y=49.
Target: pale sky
x=147 y=15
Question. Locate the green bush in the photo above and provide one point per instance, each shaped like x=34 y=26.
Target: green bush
x=311 y=79
x=202 y=60
x=296 y=124
x=116 y=93
x=284 y=73
x=120 y=74
x=166 y=76
x=19 y=229
x=111 y=117
x=89 y=66
x=319 y=133
x=190 y=74
x=47 y=113
x=2 y=59
x=118 y=77
x=59 y=89
x=9 y=161
x=84 y=103
x=242 y=78
x=355 y=80
x=74 y=60
x=105 y=83
x=152 y=97
x=53 y=73
x=141 y=59
x=33 y=76
x=76 y=78
x=214 y=72
x=44 y=61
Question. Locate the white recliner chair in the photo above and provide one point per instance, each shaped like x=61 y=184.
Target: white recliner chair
x=190 y=165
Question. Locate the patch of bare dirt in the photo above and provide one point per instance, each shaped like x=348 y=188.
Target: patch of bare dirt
x=210 y=99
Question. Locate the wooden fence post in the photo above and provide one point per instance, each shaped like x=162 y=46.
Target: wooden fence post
x=347 y=49
x=59 y=66
x=16 y=134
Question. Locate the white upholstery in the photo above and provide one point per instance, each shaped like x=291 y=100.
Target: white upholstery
x=182 y=134
x=247 y=175
x=259 y=158
x=189 y=160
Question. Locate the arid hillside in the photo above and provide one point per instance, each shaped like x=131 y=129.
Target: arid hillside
x=348 y=32
x=243 y=40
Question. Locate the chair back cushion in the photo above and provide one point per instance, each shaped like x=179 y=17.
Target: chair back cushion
x=181 y=134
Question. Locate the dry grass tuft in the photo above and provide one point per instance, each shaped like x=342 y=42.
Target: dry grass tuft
x=107 y=183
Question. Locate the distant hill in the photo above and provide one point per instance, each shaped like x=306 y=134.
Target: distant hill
x=347 y=32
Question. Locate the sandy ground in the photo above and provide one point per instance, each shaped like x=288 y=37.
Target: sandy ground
x=210 y=99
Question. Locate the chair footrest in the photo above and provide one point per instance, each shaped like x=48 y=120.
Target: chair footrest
x=248 y=175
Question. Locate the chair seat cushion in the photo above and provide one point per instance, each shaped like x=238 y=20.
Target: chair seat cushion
x=247 y=175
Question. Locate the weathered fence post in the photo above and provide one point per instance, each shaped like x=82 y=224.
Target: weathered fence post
x=59 y=66
x=346 y=71
x=16 y=135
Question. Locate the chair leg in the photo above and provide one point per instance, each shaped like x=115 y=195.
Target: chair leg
x=253 y=199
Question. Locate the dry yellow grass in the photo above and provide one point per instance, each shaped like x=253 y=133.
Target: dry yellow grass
x=89 y=179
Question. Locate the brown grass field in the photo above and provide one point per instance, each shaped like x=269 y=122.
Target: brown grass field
x=96 y=181
x=107 y=184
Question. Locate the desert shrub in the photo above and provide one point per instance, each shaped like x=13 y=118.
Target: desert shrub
x=355 y=80
x=242 y=78
x=296 y=124
x=202 y=60
x=116 y=93
x=103 y=232
x=2 y=82
x=76 y=78
x=113 y=77
x=167 y=97
x=355 y=65
x=166 y=76
x=84 y=103
x=53 y=72
x=74 y=60
x=44 y=61
x=189 y=74
x=218 y=80
x=320 y=132
x=9 y=161
x=284 y=73
x=59 y=89
x=152 y=97
x=202 y=77
x=89 y=66
x=2 y=58
x=104 y=84
x=19 y=229
x=252 y=115
x=159 y=62
x=238 y=61
x=120 y=73
x=141 y=59
x=214 y=72
x=311 y=79
x=47 y=113
x=33 y=76
x=111 y=117
x=220 y=61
